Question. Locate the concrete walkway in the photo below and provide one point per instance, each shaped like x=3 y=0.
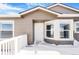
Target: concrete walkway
x=45 y=48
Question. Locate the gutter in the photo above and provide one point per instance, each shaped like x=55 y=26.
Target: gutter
x=68 y=15
x=10 y=16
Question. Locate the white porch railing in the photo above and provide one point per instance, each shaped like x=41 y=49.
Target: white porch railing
x=13 y=45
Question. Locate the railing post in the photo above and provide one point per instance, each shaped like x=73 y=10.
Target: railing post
x=13 y=45
x=6 y=48
x=16 y=45
x=0 y=49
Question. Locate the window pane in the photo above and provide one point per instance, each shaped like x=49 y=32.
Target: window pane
x=48 y=34
x=48 y=27
x=6 y=34
x=0 y=34
x=64 y=34
x=77 y=24
x=0 y=26
x=50 y=31
x=52 y=34
x=77 y=29
x=64 y=26
x=6 y=27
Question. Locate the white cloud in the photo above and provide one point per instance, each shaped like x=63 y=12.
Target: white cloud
x=35 y=4
x=8 y=7
x=38 y=4
x=11 y=13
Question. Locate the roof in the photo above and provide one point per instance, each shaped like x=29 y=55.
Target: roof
x=58 y=4
x=44 y=9
x=39 y=8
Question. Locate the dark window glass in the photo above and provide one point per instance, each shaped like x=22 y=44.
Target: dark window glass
x=64 y=34
x=77 y=29
x=48 y=27
x=64 y=26
x=48 y=33
x=6 y=34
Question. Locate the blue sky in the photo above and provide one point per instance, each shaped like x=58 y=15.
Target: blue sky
x=15 y=8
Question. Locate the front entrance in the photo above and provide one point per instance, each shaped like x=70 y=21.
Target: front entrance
x=38 y=32
x=57 y=30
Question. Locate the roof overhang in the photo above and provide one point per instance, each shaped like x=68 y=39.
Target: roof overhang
x=58 y=15
x=10 y=16
x=68 y=15
x=39 y=8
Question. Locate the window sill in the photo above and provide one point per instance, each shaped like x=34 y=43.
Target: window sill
x=76 y=32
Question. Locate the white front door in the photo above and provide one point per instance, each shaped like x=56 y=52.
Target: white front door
x=38 y=32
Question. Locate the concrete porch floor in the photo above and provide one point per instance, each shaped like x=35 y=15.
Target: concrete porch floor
x=45 y=48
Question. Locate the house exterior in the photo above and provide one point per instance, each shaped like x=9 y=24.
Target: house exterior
x=57 y=24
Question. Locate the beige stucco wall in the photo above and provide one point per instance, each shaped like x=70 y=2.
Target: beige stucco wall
x=63 y=10
x=25 y=24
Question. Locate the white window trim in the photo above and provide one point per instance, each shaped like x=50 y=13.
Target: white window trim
x=71 y=23
x=8 y=22
x=57 y=29
x=48 y=23
x=76 y=27
x=64 y=30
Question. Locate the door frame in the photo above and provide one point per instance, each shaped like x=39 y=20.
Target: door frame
x=34 y=31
